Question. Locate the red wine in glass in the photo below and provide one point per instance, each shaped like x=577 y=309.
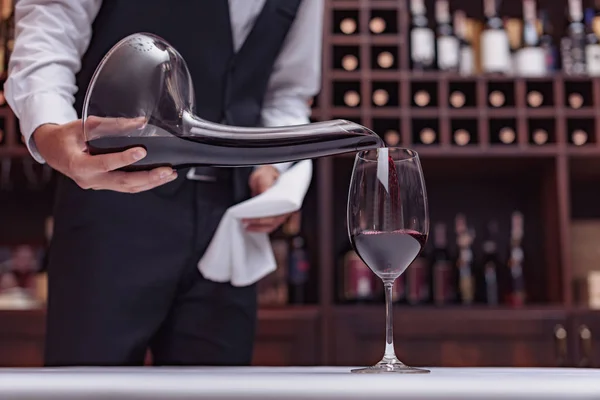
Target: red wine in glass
x=389 y=254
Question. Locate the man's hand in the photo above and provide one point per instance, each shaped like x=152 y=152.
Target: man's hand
x=64 y=149
x=262 y=179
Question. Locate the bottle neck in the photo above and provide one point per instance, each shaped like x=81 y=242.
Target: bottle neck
x=575 y=11
x=493 y=20
x=418 y=14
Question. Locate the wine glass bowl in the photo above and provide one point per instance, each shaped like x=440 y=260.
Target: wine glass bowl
x=388 y=226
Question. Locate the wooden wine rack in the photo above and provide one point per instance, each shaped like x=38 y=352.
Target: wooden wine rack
x=551 y=183
x=485 y=179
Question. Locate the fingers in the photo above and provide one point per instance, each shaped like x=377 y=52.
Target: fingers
x=262 y=179
x=131 y=182
x=88 y=164
x=119 y=124
x=153 y=185
x=134 y=182
x=265 y=225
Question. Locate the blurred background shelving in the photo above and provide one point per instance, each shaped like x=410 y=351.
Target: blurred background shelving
x=490 y=144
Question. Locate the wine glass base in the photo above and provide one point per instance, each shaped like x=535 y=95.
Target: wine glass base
x=390 y=366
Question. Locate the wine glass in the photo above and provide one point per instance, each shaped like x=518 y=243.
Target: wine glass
x=388 y=225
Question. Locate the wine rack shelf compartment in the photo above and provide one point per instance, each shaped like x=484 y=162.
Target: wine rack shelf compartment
x=485 y=191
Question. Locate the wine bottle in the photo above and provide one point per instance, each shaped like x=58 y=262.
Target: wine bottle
x=357 y=283
x=442 y=272
x=464 y=262
x=350 y=62
x=10 y=35
x=457 y=99
x=507 y=135
x=447 y=43
x=273 y=289
x=592 y=43
x=547 y=42
x=298 y=264
x=422 y=98
x=540 y=136
x=516 y=295
x=348 y=26
x=489 y=291
x=535 y=98
x=385 y=60
x=351 y=98
x=427 y=136
x=391 y=138
x=579 y=137
x=531 y=60
x=417 y=281
x=573 y=44
x=3 y=40
x=422 y=38
x=575 y=100
x=513 y=28
x=380 y=97
x=466 y=62
x=399 y=289
x=377 y=25
x=496 y=98
x=495 y=48
x=462 y=137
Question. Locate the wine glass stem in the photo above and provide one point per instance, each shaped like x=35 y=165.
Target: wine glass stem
x=390 y=353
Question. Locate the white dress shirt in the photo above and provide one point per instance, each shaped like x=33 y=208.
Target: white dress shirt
x=51 y=37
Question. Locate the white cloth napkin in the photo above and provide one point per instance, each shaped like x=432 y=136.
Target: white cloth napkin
x=240 y=257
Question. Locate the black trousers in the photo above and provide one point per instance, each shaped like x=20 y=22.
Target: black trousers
x=123 y=278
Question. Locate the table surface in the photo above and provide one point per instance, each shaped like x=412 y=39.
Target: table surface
x=297 y=383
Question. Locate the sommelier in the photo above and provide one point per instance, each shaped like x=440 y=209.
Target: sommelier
x=122 y=267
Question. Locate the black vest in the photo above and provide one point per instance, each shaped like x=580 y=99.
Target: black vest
x=228 y=87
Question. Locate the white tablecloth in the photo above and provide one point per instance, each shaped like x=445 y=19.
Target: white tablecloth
x=297 y=383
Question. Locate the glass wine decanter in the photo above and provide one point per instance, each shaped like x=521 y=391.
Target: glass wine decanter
x=142 y=94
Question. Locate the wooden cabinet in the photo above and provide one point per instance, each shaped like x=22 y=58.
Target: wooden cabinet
x=21 y=338
x=450 y=337
x=584 y=339
x=284 y=337
x=431 y=337
x=287 y=337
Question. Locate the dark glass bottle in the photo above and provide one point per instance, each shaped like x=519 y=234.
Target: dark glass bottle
x=495 y=47
x=447 y=42
x=443 y=291
x=573 y=43
x=547 y=42
x=422 y=38
x=464 y=262
x=466 y=64
x=592 y=43
x=516 y=292
x=298 y=264
x=489 y=280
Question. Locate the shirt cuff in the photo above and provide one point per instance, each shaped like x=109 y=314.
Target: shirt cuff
x=40 y=109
